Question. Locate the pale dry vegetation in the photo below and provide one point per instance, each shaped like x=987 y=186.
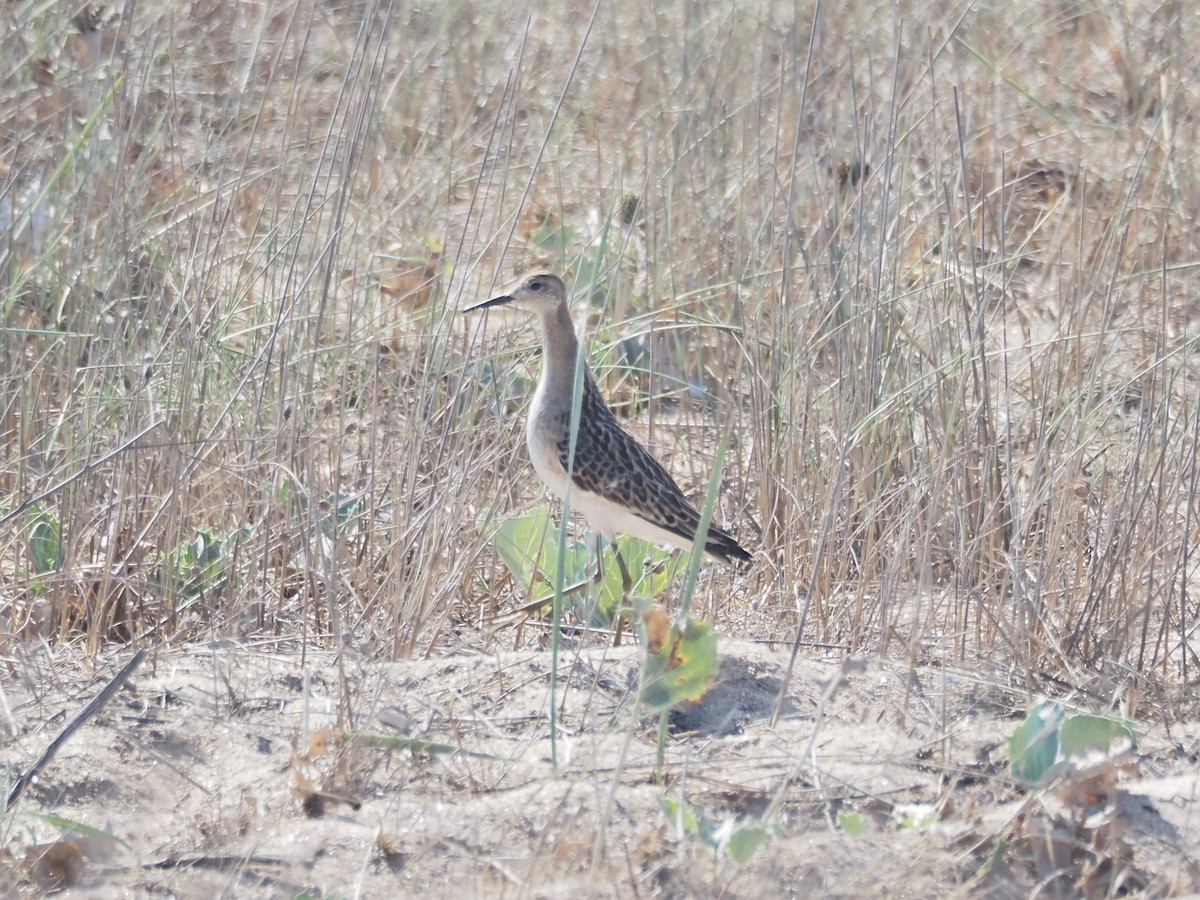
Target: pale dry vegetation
x=928 y=267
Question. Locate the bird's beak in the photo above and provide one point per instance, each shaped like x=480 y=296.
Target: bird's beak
x=495 y=301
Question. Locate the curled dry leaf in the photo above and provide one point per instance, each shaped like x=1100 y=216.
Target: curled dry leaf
x=318 y=743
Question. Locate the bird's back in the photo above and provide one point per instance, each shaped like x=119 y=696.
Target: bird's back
x=617 y=484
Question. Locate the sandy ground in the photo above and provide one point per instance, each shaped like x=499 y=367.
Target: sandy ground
x=223 y=771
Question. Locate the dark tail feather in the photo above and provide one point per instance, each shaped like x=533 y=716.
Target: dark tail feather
x=722 y=545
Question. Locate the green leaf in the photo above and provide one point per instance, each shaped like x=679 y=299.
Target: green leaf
x=853 y=822
x=74 y=827
x=682 y=669
x=739 y=844
x=200 y=565
x=522 y=543
x=46 y=551
x=528 y=546
x=745 y=841
x=338 y=509
x=681 y=814
x=1083 y=734
x=654 y=568
x=1048 y=736
x=1033 y=747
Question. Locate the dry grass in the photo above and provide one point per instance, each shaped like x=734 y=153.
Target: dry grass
x=930 y=269
x=926 y=270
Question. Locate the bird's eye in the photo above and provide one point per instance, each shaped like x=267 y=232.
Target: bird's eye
x=535 y=285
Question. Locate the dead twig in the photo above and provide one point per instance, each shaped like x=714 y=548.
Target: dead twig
x=69 y=729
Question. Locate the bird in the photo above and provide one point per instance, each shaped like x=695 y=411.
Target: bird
x=615 y=483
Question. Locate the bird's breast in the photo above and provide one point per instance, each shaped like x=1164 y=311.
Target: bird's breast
x=542 y=437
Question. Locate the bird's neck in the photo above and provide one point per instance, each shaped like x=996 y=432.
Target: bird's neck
x=560 y=347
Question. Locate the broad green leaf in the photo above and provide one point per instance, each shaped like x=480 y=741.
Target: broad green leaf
x=654 y=568
x=200 y=564
x=1033 y=747
x=339 y=508
x=574 y=565
x=521 y=542
x=744 y=842
x=1084 y=733
x=853 y=822
x=1049 y=736
x=682 y=669
x=681 y=813
x=528 y=545
x=46 y=551
x=611 y=590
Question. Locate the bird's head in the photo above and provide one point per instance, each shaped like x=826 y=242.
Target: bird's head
x=539 y=293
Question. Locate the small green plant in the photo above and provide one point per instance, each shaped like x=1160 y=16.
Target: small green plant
x=682 y=668
x=853 y=822
x=528 y=547
x=738 y=843
x=200 y=565
x=339 y=510
x=1049 y=739
x=195 y=567
x=45 y=547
